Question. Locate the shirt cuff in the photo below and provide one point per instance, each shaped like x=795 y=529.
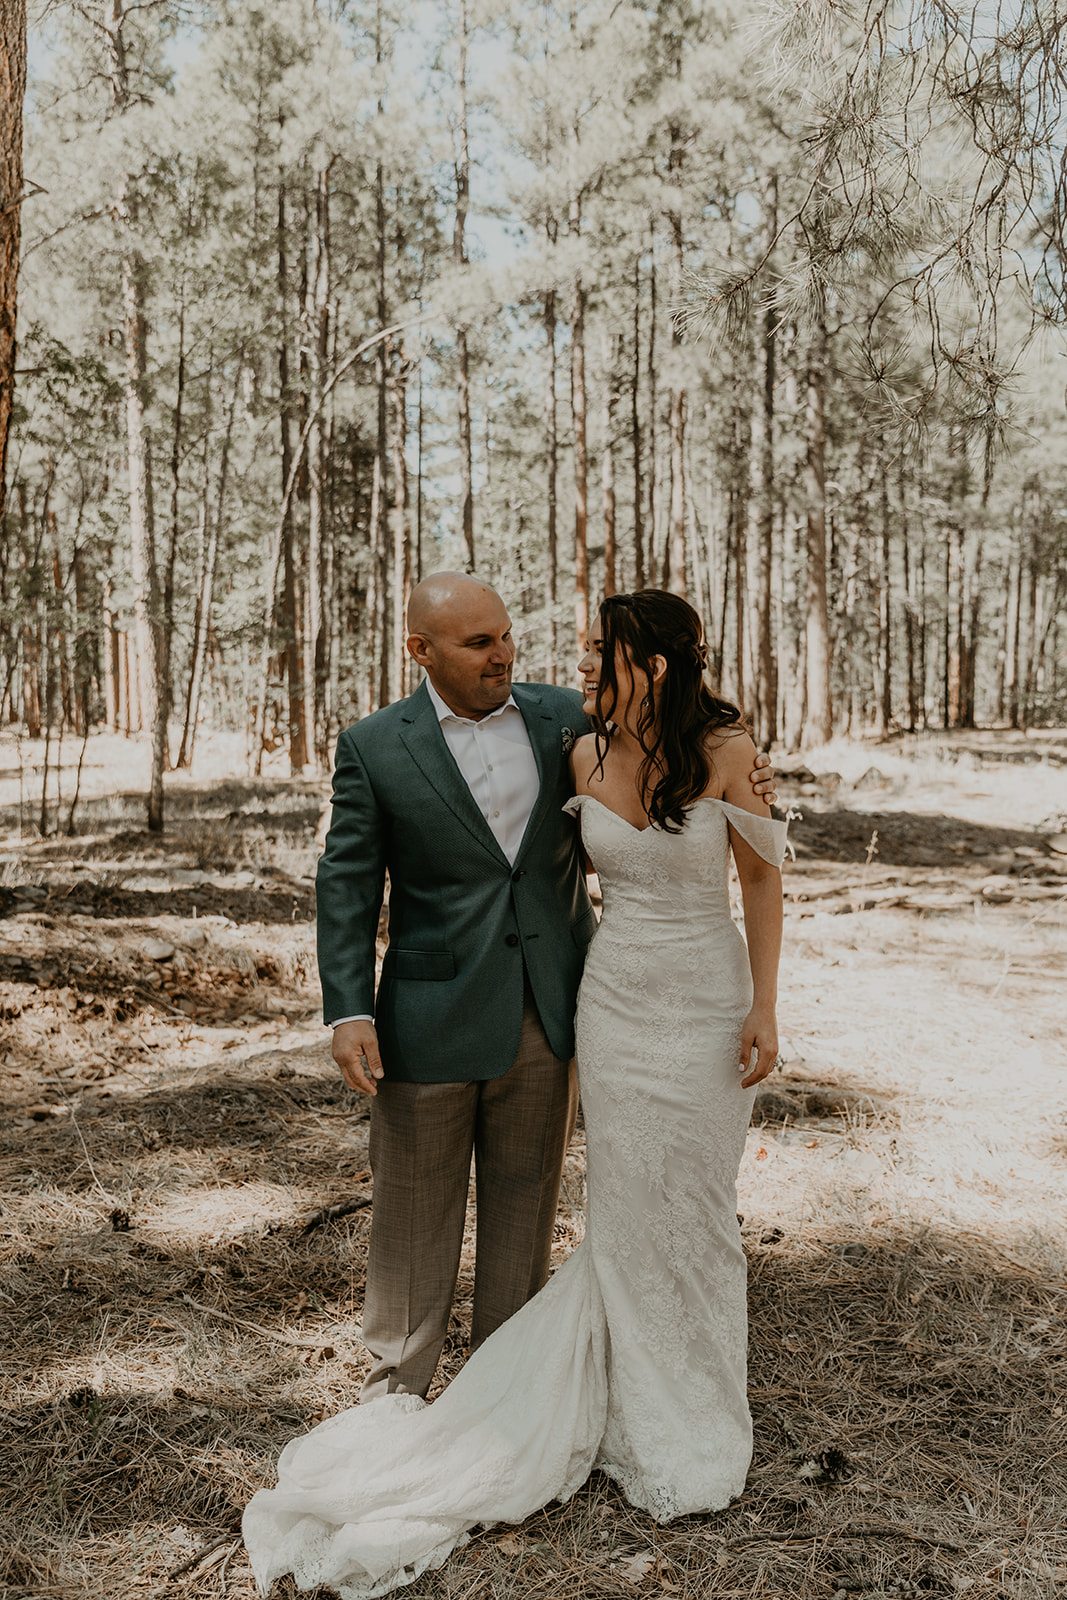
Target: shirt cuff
x=363 y=1017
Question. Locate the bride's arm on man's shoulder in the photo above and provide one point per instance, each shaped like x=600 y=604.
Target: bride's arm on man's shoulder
x=761 y=892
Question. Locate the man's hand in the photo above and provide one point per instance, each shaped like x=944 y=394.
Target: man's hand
x=762 y=779
x=355 y=1049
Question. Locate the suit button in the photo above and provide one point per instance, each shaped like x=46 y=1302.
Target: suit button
x=515 y=876
x=512 y=940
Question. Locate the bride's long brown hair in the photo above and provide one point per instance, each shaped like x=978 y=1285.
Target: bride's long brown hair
x=675 y=736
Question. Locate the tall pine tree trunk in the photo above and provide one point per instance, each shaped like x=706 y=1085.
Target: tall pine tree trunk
x=166 y=686
x=581 y=460
x=552 y=473
x=818 y=725
x=205 y=599
x=607 y=463
x=676 y=551
x=885 y=612
x=910 y=607
x=317 y=325
x=290 y=610
x=185 y=749
x=143 y=568
x=142 y=521
x=12 y=94
x=652 y=526
x=635 y=435
x=761 y=504
x=459 y=253
x=401 y=585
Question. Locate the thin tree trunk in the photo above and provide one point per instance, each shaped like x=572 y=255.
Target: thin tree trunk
x=761 y=504
x=607 y=463
x=291 y=621
x=459 y=253
x=378 y=598
x=185 y=750
x=206 y=598
x=317 y=320
x=142 y=531
x=909 y=604
x=740 y=572
x=676 y=551
x=885 y=613
x=581 y=463
x=401 y=528
x=418 y=485
x=1015 y=609
x=1031 y=631
x=972 y=622
x=12 y=94
x=635 y=435
x=164 y=691
x=552 y=470
x=652 y=525
x=922 y=626
x=819 y=715
x=109 y=651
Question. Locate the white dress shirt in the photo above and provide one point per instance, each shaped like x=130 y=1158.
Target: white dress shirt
x=497 y=763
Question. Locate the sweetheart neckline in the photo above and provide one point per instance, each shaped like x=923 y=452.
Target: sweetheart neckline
x=703 y=799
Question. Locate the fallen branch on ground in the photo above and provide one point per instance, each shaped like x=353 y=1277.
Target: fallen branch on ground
x=266 y=1333
x=342 y=1208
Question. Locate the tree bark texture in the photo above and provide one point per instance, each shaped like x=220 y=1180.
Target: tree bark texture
x=581 y=459
x=818 y=726
x=676 y=551
x=761 y=502
x=401 y=542
x=635 y=435
x=12 y=94
x=552 y=483
x=459 y=252
x=316 y=344
x=607 y=463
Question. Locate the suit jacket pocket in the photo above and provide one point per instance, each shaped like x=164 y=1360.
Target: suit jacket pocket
x=584 y=928
x=421 y=966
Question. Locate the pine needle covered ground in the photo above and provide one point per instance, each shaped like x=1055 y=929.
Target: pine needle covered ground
x=174 y=1304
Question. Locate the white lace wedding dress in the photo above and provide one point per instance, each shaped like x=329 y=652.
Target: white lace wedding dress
x=632 y=1358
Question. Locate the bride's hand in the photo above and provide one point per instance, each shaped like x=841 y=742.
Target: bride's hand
x=760 y=1033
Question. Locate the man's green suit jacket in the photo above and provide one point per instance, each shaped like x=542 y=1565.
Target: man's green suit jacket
x=463 y=921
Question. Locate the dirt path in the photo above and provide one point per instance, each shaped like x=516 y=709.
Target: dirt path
x=171 y=1310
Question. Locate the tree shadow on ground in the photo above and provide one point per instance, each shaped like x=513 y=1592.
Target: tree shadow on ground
x=907 y=838
x=902 y=1392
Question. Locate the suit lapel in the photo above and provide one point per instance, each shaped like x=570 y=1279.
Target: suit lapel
x=541 y=726
x=425 y=743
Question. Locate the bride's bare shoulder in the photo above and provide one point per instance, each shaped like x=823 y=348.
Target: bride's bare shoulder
x=732 y=755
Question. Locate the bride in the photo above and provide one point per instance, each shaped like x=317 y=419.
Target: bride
x=632 y=1358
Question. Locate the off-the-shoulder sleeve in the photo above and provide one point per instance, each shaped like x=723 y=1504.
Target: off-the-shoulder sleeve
x=573 y=807
x=764 y=834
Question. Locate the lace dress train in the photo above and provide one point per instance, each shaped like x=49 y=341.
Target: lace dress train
x=632 y=1358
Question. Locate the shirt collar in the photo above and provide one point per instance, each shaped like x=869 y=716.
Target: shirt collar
x=445 y=713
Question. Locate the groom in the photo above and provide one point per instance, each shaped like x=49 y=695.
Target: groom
x=457 y=794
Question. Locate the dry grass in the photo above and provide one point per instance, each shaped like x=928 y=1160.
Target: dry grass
x=166 y=1322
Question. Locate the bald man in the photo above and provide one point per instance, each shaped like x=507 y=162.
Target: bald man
x=457 y=795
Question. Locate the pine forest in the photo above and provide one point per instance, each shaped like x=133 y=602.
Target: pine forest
x=764 y=305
